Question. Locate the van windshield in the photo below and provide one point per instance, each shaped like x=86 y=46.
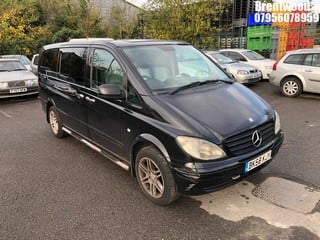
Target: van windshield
x=173 y=66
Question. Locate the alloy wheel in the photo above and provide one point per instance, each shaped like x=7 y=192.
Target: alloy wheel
x=151 y=177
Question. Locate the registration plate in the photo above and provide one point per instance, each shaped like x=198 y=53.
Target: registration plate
x=257 y=161
x=18 y=90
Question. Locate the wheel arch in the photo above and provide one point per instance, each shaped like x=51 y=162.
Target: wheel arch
x=143 y=140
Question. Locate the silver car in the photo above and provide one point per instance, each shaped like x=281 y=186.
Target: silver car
x=297 y=71
x=241 y=72
x=16 y=80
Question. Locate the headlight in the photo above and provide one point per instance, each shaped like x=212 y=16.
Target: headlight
x=277 y=124
x=199 y=148
x=242 y=72
x=4 y=85
x=31 y=82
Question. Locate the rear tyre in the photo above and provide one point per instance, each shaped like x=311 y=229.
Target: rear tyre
x=155 y=177
x=291 y=87
x=55 y=123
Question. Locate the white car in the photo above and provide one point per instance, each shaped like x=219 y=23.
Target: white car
x=251 y=57
x=297 y=71
x=241 y=72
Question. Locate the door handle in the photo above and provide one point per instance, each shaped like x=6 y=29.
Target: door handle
x=91 y=100
x=80 y=96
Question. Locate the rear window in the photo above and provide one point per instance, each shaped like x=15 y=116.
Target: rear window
x=294 y=59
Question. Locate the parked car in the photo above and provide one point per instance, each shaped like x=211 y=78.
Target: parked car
x=241 y=72
x=251 y=57
x=34 y=64
x=159 y=109
x=16 y=80
x=297 y=71
x=22 y=58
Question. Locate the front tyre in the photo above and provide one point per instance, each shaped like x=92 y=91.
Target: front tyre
x=155 y=177
x=291 y=87
x=55 y=123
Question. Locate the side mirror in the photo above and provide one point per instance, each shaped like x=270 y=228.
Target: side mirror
x=110 y=91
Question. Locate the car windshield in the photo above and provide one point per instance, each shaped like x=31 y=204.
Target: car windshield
x=252 y=55
x=165 y=67
x=8 y=66
x=222 y=59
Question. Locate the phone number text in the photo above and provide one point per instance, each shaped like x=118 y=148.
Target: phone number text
x=285 y=17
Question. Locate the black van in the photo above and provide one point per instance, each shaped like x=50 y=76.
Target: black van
x=159 y=109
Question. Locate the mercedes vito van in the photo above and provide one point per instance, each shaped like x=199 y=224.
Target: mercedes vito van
x=159 y=109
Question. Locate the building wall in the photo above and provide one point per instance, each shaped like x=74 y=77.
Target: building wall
x=104 y=8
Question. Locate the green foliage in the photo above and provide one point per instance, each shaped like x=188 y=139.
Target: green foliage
x=20 y=26
x=188 y=20
x=26 y=25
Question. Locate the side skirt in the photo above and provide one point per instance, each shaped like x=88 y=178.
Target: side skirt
x=113 y=159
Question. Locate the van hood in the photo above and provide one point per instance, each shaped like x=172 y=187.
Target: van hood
x=220 y=110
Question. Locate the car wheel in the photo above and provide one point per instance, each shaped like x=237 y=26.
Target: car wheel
x=155 y=177
x=55 y=123
x=291 y=87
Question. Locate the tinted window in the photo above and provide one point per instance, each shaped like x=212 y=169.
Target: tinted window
x=105 y=69
x=73 y=64
x=312 y=60
x=294 y=59
x=49 y=61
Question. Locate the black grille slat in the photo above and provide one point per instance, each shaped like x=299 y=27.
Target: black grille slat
x=16 y=84
x=242 y=143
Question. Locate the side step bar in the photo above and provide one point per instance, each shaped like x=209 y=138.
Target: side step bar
x=113 y=159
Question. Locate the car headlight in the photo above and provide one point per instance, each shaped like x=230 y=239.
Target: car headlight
x=242 y=72
x=277 y=124
x=4 y=85
x=199 y=148
x=31 y=82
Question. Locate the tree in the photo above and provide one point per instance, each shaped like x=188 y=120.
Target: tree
x=187 y=20
x=22 y=29
x=121 y=23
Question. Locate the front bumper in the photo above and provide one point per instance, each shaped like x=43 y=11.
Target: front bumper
x=225 y=173
x=23 y=91
x=250 y=78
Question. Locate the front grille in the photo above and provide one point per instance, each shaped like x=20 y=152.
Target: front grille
x=253 y=71
x=242 y=143
x=16 y=84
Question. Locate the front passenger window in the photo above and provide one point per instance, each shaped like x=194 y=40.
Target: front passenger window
x=105 y=69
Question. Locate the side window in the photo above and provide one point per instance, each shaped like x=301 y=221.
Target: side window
x=73 y=64
x=48 y=61
x=294 y=59
x=105 y=69
x=308 y=60
x=316 y=60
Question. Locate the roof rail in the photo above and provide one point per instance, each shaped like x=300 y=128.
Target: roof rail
x=88 y=39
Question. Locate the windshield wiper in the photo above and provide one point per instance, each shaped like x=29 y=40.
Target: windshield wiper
x=190 y=85
x=198 y=83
